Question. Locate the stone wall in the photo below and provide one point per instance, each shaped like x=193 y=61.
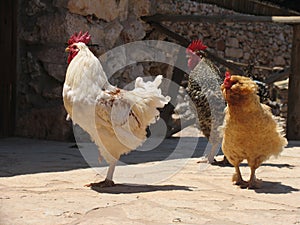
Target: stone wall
x=264 y=44
x=45 y=26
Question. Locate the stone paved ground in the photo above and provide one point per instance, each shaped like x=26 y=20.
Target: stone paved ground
x=42 y=182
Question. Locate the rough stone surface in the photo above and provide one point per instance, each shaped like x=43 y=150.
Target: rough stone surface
x=257 y=42
x=54 y=31
x=142 y=7
x=112 y=33
x=133 y=29
x=74 y=23
x=234 y=53
x=35 y=7
x=102 y=9
x=220 y=45
x=279 y=61
x=233 y=42
x=47 y=123
x=54 y=70
x=46 y=186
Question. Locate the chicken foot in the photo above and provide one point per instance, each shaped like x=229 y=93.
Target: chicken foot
x=210 y=153
x=223 y=162
x=253 y=183
x=108 y=182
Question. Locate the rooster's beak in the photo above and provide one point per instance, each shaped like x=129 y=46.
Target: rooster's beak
x=67 y=49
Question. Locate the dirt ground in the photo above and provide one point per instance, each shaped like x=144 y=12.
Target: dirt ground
x=42 y=182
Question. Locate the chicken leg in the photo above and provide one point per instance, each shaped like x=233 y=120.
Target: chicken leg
x=209 y=156
x=210 y=152
x=108 y=182
x=253 y=182
x=237 y=177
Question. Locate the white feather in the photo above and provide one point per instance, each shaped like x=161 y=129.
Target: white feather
x=116 y=119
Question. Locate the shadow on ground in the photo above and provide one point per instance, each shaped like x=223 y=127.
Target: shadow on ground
x=269 y=187
x=131 y=188
x=27 y=156
x=278 y=165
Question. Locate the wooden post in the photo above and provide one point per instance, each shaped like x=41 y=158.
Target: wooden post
x=177 y=77
x=293 y=121
x=8 y=26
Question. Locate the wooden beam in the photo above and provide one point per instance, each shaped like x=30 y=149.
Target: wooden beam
x=293 y=120
x=177 y=77
x=278 y=76
x=232 y=66
x=254 y=67
x=182 y=40
x=223 y=19
x=255 y=7
x=185 y=42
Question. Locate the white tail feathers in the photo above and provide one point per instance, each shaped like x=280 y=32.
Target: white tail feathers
x=150 y=89
x=143 y=101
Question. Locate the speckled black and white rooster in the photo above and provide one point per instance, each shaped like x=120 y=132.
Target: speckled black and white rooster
x=204 y=90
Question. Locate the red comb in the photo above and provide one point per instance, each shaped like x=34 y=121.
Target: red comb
x=75 y=38
x=196 y=45
x=227 y=83
x=227 y=75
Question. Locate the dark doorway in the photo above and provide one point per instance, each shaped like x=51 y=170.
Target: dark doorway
x=8 y=43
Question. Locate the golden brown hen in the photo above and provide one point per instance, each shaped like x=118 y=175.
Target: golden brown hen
x=250 y=132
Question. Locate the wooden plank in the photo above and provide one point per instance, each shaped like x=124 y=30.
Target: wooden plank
x=293 y=121
x=223 y=19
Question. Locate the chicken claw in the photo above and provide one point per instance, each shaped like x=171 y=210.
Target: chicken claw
x=253 y=182
x=224 y=162
x=238 y=180
x=203 y=160
x=102 y=184
x=256 y=184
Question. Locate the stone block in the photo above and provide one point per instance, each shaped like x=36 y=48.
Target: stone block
x=141 y=7
x=107 y=10
x=279 y=61
x=232 y=42
x=234 y=53
x=133 y=30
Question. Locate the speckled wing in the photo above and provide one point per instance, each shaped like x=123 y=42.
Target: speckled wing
x=263 y=91
x=204 y=91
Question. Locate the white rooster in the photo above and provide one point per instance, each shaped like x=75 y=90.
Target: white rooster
x=115 y=119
